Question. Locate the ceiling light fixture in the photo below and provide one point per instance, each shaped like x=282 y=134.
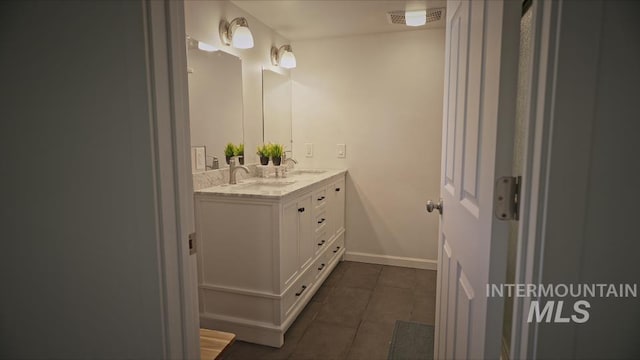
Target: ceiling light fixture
x=283 y=57
x=415 y=17
x=236 y=33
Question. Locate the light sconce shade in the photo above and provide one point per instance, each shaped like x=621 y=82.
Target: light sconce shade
x=236 y=33
x=415 y=17
x=283 y=57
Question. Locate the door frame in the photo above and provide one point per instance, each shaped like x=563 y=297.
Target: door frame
x=169 y=122
x=536 y=159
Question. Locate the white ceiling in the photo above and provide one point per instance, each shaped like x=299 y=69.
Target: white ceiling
x=312 y=19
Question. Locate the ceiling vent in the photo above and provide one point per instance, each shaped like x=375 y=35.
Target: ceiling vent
x=397 y=17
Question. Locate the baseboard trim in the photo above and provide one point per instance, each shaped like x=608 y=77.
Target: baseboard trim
x=392 y=260
x=245 y=330
x=269 y=334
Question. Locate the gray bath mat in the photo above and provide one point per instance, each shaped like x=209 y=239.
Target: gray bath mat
x=411 y=341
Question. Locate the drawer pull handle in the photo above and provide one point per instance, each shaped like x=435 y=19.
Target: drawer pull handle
x=336 y=250
x=304 y=287
x=321 y=198
x=321 y=243
x=321 y=221
x=301 y=210
x=321 y=267
x=337 y=189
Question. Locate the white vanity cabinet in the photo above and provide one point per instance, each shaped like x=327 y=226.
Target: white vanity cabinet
x=262 y=256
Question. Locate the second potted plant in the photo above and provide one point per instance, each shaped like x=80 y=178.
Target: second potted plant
x=264 y=152
x=229 y=151
x=276 y=154
x=239 y=152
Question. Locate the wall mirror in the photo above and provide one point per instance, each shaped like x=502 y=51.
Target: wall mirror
x=276 y=108
x=215 y=104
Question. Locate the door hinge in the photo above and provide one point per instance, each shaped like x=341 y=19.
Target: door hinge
x=192 y=244
x=507 y=197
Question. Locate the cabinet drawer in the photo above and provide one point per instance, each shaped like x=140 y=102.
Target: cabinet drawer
x=321 y=265
x=320 y=198
x=298 y=291
x=335 y=248
x=321 y=221
x=322 y=241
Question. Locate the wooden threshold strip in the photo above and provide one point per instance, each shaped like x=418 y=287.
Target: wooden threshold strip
x=213 y=343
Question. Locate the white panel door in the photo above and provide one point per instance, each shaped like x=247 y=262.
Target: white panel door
x=479 y=106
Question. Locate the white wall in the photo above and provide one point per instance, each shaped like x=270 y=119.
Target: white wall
x=79 y=265
x=381 y=95
x=202 y=22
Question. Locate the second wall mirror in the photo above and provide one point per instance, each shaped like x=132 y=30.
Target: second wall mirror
x=276 y=108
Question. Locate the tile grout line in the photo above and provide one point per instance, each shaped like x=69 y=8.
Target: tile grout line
x=350 y=347
x=313 y=319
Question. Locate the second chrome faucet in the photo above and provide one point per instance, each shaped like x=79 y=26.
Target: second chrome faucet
x=233 y=168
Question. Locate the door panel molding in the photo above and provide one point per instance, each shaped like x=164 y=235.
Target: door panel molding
x=473 y=119
x=456 y=69
x=465 y=297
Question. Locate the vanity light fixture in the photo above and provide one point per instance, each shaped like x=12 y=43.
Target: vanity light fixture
x=283 y=57
x=415 y=17
x=236 y=33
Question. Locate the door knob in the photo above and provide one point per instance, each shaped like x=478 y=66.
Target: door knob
x=431 y=206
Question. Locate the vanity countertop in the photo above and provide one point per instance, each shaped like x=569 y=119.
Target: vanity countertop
x=272 y=188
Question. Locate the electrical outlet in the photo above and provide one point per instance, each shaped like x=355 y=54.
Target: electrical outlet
x=341 y=150
x=308 y=152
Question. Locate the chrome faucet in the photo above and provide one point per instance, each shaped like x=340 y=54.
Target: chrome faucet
x=233 y=168
x=281 y=171
x=285 y=159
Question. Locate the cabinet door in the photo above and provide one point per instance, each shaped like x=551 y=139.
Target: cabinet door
x=289 y=244
x=337 y=206
x=306 y=244
x=330 y=230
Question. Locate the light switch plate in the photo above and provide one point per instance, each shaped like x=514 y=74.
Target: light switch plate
x=341 y=150
x=308 y=152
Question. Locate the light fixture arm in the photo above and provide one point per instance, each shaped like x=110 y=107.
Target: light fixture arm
x=191 y=43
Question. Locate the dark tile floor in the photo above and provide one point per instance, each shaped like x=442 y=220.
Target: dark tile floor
x=352 y=315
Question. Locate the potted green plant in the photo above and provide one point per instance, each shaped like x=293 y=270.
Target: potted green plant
x=264 y=152
x=229 y=151
x=276 y=154
x=239 y=152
